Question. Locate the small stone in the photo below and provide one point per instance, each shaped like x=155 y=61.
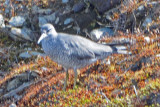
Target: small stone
x=27 y=76
x=97 y=34
x=108 y=17
x=158 y=55
x=147 y=21
x=107 y=62
x=22 y=33
x=25 y=55
x=140 y=8
x=78 y=7
x=158 y=99
x=44 y=11
x=138 y=64
x=46 y=19
x=102 y=79
x=68 y=21
x=28 y=49
x=13 y=105
x=17 y=21
x=57 y=20
x=6 y=2
x=147 y=39
x=34 y=74
x=104 y=5
x=65 y=1
x=42 y=21
x=1 y=91
x=44 y=68
x=29 y=54
x=37 y=10
x=34 y=53
x=116 y=92
x=23 y=76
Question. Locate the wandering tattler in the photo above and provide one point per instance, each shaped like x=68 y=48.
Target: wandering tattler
x=72 y=51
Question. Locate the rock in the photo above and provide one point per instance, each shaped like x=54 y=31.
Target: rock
x=42 y=21
x=158 y=99
x=147 y=22
x=3 y=73
x=25 y=55
x=122 y=41
x=23 y=33
x=102 y=79
x=130 y=21
x=2 y=52
x=6 y=2
x=13 y=105
x=141 y=8
x=2 y=25
x=8 y=8
x=28 y=49
x=13 y=84
x=147 y=39
x=97 y=34
x=35 y=53
x=57 y=20
x=23 y=76
x=34 y=74
x=116 y=92
x=68 y=21
x=158 y=55
x=65 y=1
x=84 y=21
x=37 y=10
x=46 y=19
x=1 y=91
x=151 y=99
x=104 y=5
x=44 y=68
x=17 y=21
x=78 y=7
x=107 y=62
x=29 y=54
x=27 y=76
x=138 y=64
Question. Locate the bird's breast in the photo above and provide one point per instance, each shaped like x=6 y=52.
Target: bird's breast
x=55 y=51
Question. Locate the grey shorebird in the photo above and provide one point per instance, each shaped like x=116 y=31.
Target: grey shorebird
x=72 y=51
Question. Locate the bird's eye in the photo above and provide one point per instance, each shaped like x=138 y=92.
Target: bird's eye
x=48 y=30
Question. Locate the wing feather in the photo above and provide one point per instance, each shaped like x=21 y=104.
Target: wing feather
x=82 y=48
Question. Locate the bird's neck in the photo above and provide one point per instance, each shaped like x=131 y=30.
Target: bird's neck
x=54 y=33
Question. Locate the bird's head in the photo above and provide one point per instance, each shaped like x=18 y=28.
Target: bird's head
x=46 y=31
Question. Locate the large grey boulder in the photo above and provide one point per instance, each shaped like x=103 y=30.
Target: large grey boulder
x=17 y=21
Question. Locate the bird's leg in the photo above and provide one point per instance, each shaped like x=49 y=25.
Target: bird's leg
x=66 y=79
x=75 y=77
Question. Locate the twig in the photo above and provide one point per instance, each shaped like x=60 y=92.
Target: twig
x=135 y=90
x=104 y=96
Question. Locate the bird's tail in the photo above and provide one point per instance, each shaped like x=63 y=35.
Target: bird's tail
x=120 y=50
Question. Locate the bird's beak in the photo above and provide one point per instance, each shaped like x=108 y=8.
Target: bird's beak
x=42 y=37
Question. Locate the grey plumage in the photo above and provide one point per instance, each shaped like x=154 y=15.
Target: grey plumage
x=72 y=51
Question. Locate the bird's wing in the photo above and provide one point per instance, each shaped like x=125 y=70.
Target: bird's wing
x=77 y=47
x=83 y=48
